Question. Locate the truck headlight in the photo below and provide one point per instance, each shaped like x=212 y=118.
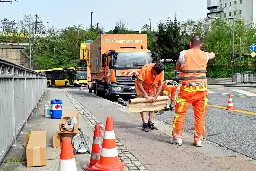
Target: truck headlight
x=116 y=88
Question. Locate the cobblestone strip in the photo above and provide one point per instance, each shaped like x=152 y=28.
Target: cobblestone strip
x=132 y=163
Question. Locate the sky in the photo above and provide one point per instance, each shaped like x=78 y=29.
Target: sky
x=135 y=13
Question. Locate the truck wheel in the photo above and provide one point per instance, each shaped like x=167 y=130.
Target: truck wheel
x=106 y=93
x=96 y=90
x=90 y=90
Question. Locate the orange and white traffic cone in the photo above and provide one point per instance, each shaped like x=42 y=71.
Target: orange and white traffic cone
x=109 y=156
x=230 y=103
x=67 y=157
x=96 y=146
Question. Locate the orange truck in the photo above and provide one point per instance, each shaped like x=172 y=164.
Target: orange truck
x=115 y=62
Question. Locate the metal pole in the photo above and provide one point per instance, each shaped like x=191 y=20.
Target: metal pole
x=233 y=48
x=150 y=24
x=29 y=31
x=91 y=20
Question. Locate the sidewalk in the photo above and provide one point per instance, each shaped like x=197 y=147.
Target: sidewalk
x=227 y=82
x=153 y=149
x=38 y=122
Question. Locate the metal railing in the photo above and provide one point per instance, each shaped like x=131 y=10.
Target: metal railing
x=20 y=91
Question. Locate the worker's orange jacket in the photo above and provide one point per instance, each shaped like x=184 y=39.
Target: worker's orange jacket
x=192 y=91
x=150 y=82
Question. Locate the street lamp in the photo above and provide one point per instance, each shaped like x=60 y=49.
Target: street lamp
x=8 y=1
x=91 y=20
x=233 y=43
x=150 y=24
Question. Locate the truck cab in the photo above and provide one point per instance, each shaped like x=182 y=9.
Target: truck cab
x=121 y=68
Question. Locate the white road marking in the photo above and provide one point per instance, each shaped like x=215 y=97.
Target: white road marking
x=245 y=93
x=210 y=92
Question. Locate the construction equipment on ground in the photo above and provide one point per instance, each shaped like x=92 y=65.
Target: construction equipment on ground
x=81 y=143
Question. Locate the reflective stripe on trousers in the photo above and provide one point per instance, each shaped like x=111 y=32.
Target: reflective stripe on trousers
x=199 y=102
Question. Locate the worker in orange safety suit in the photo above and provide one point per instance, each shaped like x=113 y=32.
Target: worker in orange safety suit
x=148 y=84
x=192 y=64
x=169 y=89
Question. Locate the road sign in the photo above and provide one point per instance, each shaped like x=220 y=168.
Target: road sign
x=253 y=47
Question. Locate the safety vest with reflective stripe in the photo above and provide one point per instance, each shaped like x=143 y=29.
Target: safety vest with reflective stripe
x=148 y=84
x=194 y=68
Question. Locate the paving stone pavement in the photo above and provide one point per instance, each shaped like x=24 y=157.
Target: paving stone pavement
x=132 y=163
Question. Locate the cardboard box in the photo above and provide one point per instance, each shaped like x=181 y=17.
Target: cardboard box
x=64 y=119
x=36 y=148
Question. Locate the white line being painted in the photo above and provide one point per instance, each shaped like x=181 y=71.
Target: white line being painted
x=245 y=93
x=109 y=135
x=210 y=92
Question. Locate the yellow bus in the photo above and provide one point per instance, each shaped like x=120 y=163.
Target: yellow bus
x=59 y=77
x=80 y=76
x=48 y=74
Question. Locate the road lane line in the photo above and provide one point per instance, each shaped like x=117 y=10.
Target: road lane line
x=237 y=110
x=245 y=93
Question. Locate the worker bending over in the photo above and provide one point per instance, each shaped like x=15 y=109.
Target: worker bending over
x=148 y=84
x=169 y=89
x=192 y=64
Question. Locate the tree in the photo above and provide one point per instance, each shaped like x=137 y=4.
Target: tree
x=169 y=40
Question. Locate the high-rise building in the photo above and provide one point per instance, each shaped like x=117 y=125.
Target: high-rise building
x=233 y=8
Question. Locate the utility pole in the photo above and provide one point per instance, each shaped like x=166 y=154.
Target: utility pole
x=30 y=49
x=91 y=20
x=150 y=24
x=233 y=48
x=36 y=23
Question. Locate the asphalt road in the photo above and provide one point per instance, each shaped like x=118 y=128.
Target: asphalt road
x=233 y=130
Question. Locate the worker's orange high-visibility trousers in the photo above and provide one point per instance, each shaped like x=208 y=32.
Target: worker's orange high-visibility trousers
x=199 y=102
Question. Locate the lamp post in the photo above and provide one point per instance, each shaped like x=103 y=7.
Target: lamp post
x=8 y=1
x=91 y=20
x=150 y=24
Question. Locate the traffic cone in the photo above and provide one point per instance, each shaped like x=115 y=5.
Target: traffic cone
x=67 y=157
x=230 y=103
x=96 y=146
x=109 y=160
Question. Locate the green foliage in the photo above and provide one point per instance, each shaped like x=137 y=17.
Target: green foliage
x=61 y=48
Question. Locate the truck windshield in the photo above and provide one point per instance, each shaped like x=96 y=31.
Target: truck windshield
x=132 y=59
x=81 y=75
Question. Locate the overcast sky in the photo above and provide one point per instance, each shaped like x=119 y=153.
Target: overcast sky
x=136 y=13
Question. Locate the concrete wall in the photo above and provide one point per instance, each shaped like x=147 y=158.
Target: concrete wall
x=14 y=54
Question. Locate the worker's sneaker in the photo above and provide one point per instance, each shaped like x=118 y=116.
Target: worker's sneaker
x=198 y=143
x=152 y=126
x=177 y=141
x=145 y=127
x=171 y=107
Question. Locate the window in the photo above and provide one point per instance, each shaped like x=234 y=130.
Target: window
x=220 y=5
x=241 y=1
x=220 y=0
x=230 y=4
x=234 y=12
x=235 y=2
x=225 y=15
x=229 y=13
x=240 y=11
x=225 y=4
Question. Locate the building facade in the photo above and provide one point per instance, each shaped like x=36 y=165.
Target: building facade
x=233 y=8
